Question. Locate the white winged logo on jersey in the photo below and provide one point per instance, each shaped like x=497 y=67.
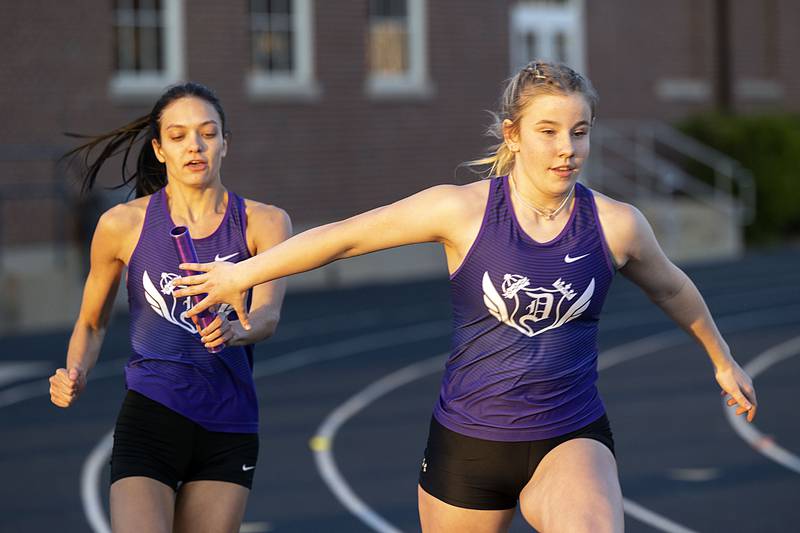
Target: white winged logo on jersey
x=167 y=312
x=543 y=305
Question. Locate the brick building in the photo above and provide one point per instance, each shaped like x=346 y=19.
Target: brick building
x=337 y=106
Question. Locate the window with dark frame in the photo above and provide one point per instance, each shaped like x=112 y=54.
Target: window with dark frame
x=138 y=36
x=388 y=37
x=272 y=36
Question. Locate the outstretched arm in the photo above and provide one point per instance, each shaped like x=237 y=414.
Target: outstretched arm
x=424 y=217
x=672 y=290
x=67 y=383
x=267 y=226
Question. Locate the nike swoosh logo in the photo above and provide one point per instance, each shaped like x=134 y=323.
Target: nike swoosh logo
x=245 y=468
x=218 y=258
x=568 y=259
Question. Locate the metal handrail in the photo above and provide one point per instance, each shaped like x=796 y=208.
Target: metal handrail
x=671 y=177
x=641 y=138
x=725 y=167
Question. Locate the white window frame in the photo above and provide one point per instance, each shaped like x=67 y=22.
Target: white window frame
x=759 y=89
x=300 y=84
x=131 y=85
x=415 y=82
x=687 y=90
x=547 y=19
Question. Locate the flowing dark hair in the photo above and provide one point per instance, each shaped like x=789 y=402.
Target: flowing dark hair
x=150 y=174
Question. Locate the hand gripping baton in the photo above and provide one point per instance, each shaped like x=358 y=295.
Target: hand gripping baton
x=187 y=254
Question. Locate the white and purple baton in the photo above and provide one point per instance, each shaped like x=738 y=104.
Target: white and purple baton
x=187 y=254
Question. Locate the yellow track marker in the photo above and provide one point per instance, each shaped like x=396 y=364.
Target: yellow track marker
x=319 y=444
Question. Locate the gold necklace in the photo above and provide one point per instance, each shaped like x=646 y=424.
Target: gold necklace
x=538 y=210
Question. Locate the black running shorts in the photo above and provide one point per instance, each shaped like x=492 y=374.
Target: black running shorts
x=489 y=475
x=154 y=441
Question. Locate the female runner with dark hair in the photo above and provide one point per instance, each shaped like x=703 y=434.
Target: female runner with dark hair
x=186 y=438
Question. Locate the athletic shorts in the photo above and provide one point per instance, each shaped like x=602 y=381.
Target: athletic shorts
x=154 y=441
x=489 y=475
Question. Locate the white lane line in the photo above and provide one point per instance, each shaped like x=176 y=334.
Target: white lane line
x=20 y=393
x=749 y=432
x=255 y=527
x=92 y=467
x=747 y=320
x=425 y=331
x=649 y=517
x=351 y=346
x=264 y=367
x=694 y=475
x=27 y=391
x=640 y=347
x=355 y=320
x=322 y=443
x=11 y=371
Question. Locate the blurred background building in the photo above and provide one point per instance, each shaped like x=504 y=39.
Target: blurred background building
x=338 y=106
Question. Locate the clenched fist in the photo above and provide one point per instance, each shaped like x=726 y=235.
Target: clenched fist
x=66 y=386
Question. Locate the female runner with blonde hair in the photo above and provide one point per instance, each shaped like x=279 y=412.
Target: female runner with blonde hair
x=531 y=254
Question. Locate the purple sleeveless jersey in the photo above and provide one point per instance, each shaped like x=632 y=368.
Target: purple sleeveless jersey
x=524 y=350
x=169 y=364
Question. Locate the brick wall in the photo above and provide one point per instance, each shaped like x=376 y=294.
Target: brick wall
x=633 y=45
x=344 y=152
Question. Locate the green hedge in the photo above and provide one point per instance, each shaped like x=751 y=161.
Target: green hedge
x=770 y=147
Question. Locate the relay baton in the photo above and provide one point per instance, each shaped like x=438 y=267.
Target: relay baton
x=187 y=254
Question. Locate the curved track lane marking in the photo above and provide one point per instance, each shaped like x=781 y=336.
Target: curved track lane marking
x=27 y=391
x=354 y=345
x=322 y=442
x=90 y=496
x=758 y=441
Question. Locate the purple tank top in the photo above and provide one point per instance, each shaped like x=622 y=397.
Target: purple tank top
x=169 y=364
x=523 y=364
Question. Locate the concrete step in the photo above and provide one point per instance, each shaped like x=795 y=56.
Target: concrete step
x=690 y=231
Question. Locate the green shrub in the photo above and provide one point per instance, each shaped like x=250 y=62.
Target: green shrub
x=770 y=147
